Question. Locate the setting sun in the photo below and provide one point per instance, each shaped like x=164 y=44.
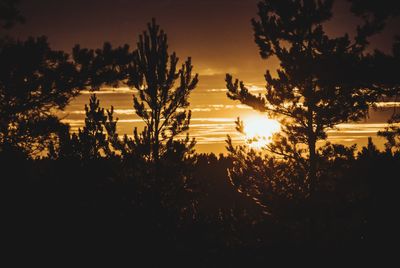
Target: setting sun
x=259 y=130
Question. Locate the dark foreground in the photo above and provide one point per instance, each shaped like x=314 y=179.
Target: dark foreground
x=65 y=209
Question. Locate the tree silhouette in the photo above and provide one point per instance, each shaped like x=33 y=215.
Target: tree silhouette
x=319 y=83
x=92 y=138
x=9 y=14
x=159 y=102
x=392 y=133
x=390 y=79
x=269 y=181
x=375 y=13
x=34 y=80
x=94 y=141
x=105 y=66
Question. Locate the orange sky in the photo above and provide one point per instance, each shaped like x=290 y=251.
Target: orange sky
x=217 y=34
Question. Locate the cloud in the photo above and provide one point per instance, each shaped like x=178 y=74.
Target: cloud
x=217 y=71
x=110 y=90
x=388 y=104
x=251 y=88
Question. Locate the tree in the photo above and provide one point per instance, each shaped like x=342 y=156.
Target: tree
x=159 y=102
x=375 y=13
x=273 y=184
x=391 y=80
x=34 y=80
x=392 y=133
x=320 y=82
x=94 y=140
x=162 y=90
x=9 y=14
x=384 y=68
x=105 y=66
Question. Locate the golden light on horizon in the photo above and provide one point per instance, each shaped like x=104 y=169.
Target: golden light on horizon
x=259 y=130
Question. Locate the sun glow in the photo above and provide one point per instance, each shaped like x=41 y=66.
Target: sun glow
x=259 y=130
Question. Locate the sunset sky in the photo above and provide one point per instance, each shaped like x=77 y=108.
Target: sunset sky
x=217 y=34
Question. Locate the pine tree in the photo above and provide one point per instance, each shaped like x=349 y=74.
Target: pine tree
x=392 y=133
x=92 y=138
x=383 y=68
x=34 y=81
x=319 y=83
x=391 y=81
x=163 y=92
x=162 y=89
x=104 y=66
x=94 y=141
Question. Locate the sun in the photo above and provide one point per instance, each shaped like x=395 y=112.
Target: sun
x=259 y=129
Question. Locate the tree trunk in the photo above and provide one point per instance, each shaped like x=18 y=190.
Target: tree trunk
x=312 y=172
x=312 y=165
x=312 y=177
x=156 y=146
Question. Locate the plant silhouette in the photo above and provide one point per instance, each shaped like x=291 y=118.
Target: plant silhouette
x=163 y=90
x=9 y=14
x=35 y=80
x=94 y=140
x=158 y=103
x=319 y=83
x=151 y=197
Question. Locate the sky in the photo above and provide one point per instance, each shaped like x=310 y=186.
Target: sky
x=217 y=34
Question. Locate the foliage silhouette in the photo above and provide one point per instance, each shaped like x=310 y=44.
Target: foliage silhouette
x=158 y=103
x=390 y=80
x=270 y=182
x=105 y=66
x=319 y=84
x=9 y=14
x=392 y=133
x=96 y=191
x=384 y=71
x=375 y=14
x=156 y=161
x=94 y=140
x=99 y=203
x=35 y=80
